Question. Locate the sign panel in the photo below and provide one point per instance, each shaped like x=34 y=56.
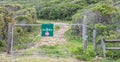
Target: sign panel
x=47 y=30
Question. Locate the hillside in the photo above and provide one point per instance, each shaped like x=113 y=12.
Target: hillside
x=29 y=11
x=100 y=15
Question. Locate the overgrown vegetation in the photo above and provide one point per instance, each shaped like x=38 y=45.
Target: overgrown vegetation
x=14 y=13
x=101 y=15
x=64 y=10
x=103 y=18
x=77 y=50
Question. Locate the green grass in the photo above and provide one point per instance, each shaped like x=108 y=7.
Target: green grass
x=75 y=46
x=34 y=58
x=24 y=38
x=59 y=50
x=106 y=60
x=50 y=51
x=76 y=42
x=44 y=59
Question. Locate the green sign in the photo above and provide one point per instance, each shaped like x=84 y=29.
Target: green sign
x=47 y=30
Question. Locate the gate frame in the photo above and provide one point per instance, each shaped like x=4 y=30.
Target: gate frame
x=11 y=34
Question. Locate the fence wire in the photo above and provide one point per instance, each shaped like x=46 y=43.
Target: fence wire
x=28 y=41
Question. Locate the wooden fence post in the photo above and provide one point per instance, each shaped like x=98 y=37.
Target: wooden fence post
x=94 y=40
x=9 y=39
x=84 y=36
x=103 y=47
x=84 y=33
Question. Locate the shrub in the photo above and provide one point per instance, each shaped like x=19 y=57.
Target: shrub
x=105 y=9
x=62 y=11
x=19 y=30
x=14 y=7
x=21 y=18
x=108 y=32
x=112 y=54
x=27 y=14
x=83 y=55
x=2 y=45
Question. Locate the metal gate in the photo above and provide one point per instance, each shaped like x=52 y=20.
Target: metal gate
x=26 y=39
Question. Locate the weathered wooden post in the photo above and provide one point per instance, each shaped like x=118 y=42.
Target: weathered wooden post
x=103 y=47
x=10 y=38
x=94 y=40
x=84 y=33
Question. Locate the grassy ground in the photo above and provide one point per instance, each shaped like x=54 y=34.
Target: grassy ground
x=50 y=51
x=57 y=53
x=45 y=59
x=8 y=58
x=75 y=46
x=34 y=58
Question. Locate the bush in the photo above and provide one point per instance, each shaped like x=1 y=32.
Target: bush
x=62 y=11
x=105 y=9
x=21 y=18
x=83 y=55
x=19 y=30
x=112 y=54
x=2 y=45
x=27 y=14
x=22 y=41
x=108 y=32
x=15 y=7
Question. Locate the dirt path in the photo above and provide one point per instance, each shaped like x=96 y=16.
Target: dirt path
x=57 y=39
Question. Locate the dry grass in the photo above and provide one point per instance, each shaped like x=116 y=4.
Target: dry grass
x=6 y=58
x=45 y=59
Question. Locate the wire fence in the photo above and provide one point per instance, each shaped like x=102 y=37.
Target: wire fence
x=30 y=42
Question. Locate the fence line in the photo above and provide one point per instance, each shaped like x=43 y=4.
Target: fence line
x=54 y=24
x=84 y=34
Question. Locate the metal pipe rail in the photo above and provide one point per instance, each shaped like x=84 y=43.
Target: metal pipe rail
x=54 y=24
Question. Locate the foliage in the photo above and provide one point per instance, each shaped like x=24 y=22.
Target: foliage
x=24 y=37
x=21 y=18
x=92 y=1
x=63 y=11
x=14 y=7
x=2 y=45
x=105 y=9
x=5 y=18
x=18 y=30
x=1 y=24
x=108 y=32
x=77 y=50
x=59 y=9
x=11 y=13
x=28 y=15
x=100 y=26
x=55 y=50
x=77 y=16
x=113 y=54
x=83 y=55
